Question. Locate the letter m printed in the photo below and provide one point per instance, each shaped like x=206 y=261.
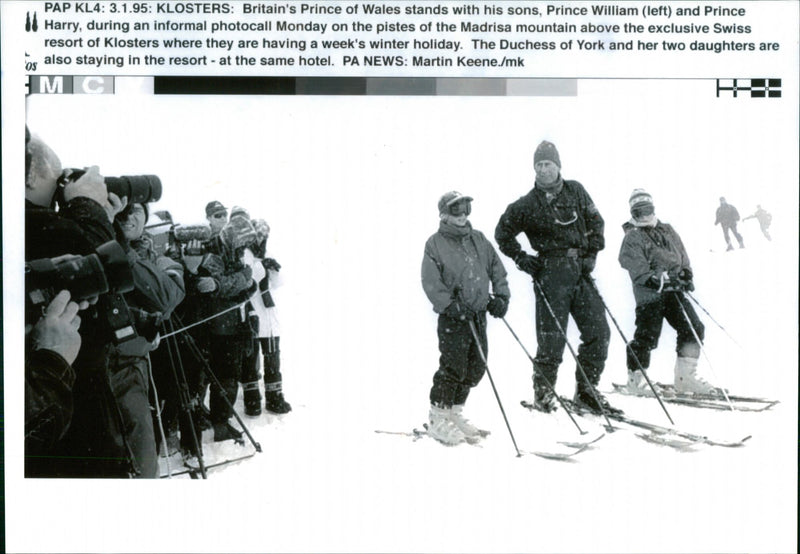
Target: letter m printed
x=50 y=84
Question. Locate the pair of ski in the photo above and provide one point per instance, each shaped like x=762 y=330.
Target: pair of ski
x=667 y=436
x=711 y=401
x=576 y=447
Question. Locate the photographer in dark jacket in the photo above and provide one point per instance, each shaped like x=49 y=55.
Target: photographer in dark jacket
x=92 y=445
x=231 y=335
x=158 y=289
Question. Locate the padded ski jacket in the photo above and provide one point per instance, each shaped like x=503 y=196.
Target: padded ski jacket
x=650 y=251
x=235 y=285
x=461 y=259
x=568 y=221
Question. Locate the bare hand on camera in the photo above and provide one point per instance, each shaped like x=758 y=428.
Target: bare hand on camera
x=57 y=330
x=115 y=205
x=89 y=185
x=206 y=284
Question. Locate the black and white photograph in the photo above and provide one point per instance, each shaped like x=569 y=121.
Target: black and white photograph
x=345 y=311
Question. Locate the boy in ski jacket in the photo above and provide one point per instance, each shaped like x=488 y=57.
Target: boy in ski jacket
x=458 y=266
x=659 y=268
x=564 y=227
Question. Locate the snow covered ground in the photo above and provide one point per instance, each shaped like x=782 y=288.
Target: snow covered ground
x=349 y=186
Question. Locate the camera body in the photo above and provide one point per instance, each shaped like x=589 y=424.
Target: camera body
x=139 y=189
x=105 y=273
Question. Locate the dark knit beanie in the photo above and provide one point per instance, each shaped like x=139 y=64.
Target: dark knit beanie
x=546 y=151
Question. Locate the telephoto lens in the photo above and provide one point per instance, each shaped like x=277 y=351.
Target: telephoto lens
x=139 y=189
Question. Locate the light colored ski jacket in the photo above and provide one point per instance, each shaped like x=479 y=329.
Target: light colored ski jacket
x=461 y=258
x=650 y=251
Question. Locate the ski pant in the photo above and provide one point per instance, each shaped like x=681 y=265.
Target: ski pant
x=732 y=228
x=765 y=230
x=231 y=357
x=271 y=353
x=460 y=364
x=649 y=321
x=130 y=377
x=568 y=293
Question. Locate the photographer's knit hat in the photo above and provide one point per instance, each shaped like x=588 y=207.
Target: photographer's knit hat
x=238 y=232
x=546 y=151
x=213 y=207
x=238 y=211
x=640 y=198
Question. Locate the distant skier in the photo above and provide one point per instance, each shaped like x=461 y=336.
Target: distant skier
x=654 y=255
x=764 y=220
x=727 y=216
x=457 y=268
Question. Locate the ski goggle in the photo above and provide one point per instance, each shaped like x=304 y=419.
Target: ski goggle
x=640 y=212
x=460 y=207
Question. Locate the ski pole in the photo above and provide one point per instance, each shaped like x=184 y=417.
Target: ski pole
x=609 y=427
x=489 y=374
x=629 y=347
x=702 y=349
x=712 y=319
x=204 y=364
x=545 y=379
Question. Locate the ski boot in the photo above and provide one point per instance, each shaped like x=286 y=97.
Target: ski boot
x=687 y=380
x=442 y=428
x=469 y=430
x=225 y=431
x=591 y=399
x=544 y=400
x=275 y=403
x=637 y=384
x=252 y=398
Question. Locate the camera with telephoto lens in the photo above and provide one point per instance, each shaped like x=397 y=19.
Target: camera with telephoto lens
x=139 y=189
x=105 y=273
x=184 y=234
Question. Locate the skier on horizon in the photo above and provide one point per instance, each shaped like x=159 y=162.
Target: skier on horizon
x=727 y=216
x=458 y=265
x=764 y=220
x=659 y=268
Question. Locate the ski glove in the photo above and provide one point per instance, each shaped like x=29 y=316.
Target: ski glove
x=270 y=263
x=531 y=265
x=587 y=264
x=457 y=310
x=498 y=306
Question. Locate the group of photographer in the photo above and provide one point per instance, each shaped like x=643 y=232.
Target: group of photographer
x=99 y=297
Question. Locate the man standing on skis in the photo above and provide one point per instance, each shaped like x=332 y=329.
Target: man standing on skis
x=654 y=255
x=565 y=228
x=458 y=265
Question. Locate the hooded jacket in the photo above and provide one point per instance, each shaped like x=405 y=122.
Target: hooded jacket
x=650 y=251
x=461 y=258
